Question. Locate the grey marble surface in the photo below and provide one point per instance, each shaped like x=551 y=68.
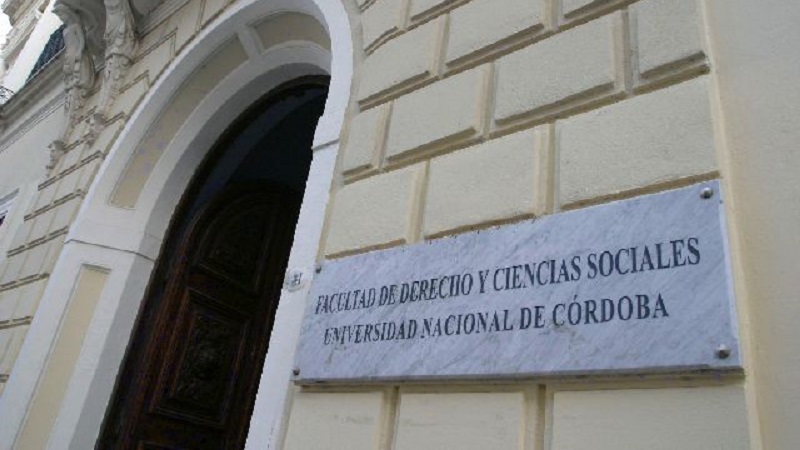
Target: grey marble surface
x=482 y=334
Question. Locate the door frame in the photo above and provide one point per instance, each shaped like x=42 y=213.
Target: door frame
x=180 y=234
x=124 y=242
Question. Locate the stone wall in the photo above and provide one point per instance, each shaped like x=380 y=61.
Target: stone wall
x=471 y=114
x=478 y=113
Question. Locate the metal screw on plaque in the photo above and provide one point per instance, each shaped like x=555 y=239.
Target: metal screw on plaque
x=723 y=352
x=706 y=193
x=296 y=371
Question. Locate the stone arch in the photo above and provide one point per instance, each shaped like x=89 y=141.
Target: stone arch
x=118 y=233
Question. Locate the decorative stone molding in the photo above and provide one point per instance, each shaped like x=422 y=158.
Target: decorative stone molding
x=56 y=152
x=92 y=17
x=95 y=32
x=79 y=70
x=78 y=63
x=120 y=40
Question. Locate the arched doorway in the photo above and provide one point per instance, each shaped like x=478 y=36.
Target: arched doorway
x=193 y=365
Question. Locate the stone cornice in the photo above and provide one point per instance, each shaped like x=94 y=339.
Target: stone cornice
x=48 y=79
x=32 y=91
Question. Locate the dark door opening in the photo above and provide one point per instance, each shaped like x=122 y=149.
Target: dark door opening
x=191 y=371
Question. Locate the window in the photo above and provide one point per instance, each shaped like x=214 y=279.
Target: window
x=5 y=206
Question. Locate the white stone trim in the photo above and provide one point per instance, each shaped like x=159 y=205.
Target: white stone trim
x=266 y=430
x=127 y=241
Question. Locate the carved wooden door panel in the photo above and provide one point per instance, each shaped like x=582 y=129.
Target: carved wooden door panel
x=190 y=378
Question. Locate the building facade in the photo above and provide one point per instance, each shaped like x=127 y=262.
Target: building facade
x=141 y=164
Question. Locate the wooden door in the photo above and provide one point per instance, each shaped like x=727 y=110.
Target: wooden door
x=191 y=375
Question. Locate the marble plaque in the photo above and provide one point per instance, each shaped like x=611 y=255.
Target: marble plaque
x=635 y=286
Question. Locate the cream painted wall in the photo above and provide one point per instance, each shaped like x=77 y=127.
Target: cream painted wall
x=23 y=157
x=24 y=154
x=24 y=140
x=757 y=67
x=584 y=102
x=23 y=160
x=35 y=119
